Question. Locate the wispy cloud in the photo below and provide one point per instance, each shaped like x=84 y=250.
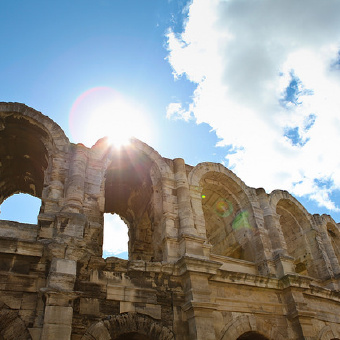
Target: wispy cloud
x=268 y=82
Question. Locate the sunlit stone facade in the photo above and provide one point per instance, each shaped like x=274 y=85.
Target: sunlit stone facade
x=209 y=257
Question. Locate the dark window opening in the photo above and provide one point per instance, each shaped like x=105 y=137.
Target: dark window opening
x=24 y=158
x=252 y=336
x=132 y=336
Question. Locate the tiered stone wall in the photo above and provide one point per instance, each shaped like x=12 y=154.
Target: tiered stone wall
x=209 y=257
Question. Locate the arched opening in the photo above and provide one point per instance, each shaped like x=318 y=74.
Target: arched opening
x=252 y=336
x=24 y=159
x=116 y=237
x=228 y=218
x=129 y=326
x=132 y=336
x=294 y=226
x=11 y=325
x=22 y=208
x=129 y=193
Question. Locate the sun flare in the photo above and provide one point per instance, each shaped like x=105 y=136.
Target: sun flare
x=104 y=112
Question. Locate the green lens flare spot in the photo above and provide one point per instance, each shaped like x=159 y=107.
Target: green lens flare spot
x=241 y=221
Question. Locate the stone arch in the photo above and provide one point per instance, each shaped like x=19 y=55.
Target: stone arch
x=11 y=325
x=277 y=195
x=163 y=167
x=28 y=143
x=222 y=206
x=115 y=326
x=252 y=336
x=133 y=187
x=329 y=242
x=201 y=169
x=56 y=133
x=162 y=177
x=329 y=332
x=244 y=324
x=299 y=233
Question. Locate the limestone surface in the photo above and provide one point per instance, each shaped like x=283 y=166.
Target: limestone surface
x=209 y=257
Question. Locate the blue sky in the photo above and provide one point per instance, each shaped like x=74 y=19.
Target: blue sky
x=260 y=79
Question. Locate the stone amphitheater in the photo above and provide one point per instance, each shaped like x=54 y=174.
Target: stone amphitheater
x=209 y=257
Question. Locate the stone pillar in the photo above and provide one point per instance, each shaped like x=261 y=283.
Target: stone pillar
x=169 y=237
x=199 y=220
x=283 y=262
x=186 y=218
x=325 y=245
x=68 y=224
x=258 y=237
x=59 y=300
x=301 y=316
x=198 y=304
x=169 y=222
x=76 y=179
x=53 y=194
x=190 y=243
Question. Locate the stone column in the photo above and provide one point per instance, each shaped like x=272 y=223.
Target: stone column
x=190 y=242
x=198 y=305
x=300 y=314
x=68 y=224
x=186 y=218
x=258 y=237
x=169 y=221
x=169 y=237
x=325 y=245
x=76 y=179
x=196 y=199
x=283 y=262
x=52 y=195
x=59 y=300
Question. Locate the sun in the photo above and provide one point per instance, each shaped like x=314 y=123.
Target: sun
x=104 y=112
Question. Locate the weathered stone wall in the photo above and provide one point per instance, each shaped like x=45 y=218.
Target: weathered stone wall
x=209 y=257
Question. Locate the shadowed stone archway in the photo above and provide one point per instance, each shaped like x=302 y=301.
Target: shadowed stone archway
x=131 y=326
x=11 y=325
x=252 y=336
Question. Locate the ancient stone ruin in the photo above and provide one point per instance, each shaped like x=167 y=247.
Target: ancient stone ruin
x=209 y=257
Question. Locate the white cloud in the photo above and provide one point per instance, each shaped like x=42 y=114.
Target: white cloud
x=115 y=235
x=243 y=54
x=175 y=111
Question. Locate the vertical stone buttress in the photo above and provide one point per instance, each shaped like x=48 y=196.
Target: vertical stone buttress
x=69 y=225
x=284 y=263
x=190 y=242
x=76 y=179
x=195 y=274
x=259 y=239
x=327 y=250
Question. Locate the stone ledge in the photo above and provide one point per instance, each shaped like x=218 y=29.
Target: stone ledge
x=11 y=246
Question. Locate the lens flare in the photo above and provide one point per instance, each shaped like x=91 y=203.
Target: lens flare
x=103 y=111
x=223 y=208
x=241 y=221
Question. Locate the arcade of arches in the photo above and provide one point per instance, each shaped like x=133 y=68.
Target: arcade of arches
x=209 y=257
